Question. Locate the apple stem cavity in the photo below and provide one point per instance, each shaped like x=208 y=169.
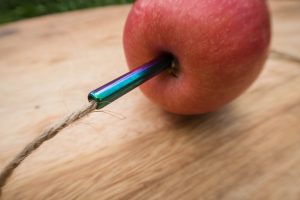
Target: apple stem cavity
x=174 y=68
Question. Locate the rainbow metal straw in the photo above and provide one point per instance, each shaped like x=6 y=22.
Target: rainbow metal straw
x=111 y=91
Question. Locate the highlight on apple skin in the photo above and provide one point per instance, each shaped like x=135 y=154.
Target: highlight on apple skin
x=220 y=47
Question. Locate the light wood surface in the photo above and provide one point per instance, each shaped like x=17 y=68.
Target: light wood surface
x=250 y=149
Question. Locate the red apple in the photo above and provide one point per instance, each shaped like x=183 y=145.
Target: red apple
x=220 y=46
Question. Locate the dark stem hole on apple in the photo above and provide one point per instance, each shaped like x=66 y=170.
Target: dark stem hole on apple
x=174 y=69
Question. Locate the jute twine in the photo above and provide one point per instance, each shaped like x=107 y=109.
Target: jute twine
x=46 y=135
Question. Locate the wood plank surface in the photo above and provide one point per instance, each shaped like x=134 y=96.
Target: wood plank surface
x=250 y=149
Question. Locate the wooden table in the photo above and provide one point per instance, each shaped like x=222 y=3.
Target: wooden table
x=133 y=150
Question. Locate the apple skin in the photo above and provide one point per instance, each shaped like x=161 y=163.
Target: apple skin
x=220 y=45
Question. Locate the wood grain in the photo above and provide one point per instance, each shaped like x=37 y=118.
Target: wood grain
x=250 y=149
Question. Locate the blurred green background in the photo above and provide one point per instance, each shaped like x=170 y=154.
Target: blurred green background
x=12 y=10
